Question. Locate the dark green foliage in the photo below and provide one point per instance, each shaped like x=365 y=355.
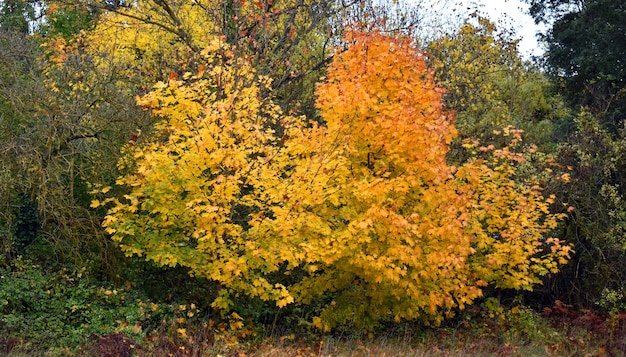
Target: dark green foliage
x=548 y=10
x=69 y=20
x=586 y=47
x=27 y=224
x=15 y=15
x=58 y=311
x=597 y=227
x=170 y=284
x=18 y=213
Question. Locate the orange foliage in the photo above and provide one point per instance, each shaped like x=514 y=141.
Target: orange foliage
x=364 y=213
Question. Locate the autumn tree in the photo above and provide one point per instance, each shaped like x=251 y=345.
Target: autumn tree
x=365 y=208
x=435 y=232
x=194 y=186
x=68 y=105
x=285 y=40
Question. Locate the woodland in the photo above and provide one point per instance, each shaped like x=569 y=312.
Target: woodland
x=310 y=178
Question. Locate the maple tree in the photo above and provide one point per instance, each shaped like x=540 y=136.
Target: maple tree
x=194 y=185
x=365 y=208
x=68 y=105
x=408 y=235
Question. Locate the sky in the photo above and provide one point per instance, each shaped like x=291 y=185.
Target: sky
x=516 y=13
x=513 y=13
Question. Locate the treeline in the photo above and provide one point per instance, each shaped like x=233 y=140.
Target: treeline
x=314 y=160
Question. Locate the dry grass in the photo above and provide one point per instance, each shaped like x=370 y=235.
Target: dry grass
x=473 y=339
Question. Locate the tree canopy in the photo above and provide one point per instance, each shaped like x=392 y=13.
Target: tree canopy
x=586 y=46
x=314 y=156
x=365 y=208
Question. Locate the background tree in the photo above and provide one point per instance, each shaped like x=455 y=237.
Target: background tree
x=490 y=86
x=67 y=19
x=288 y=40
x=585 y=58
x=62 y=121
x=597 y=226
x=586 y=44
x=17 y=57
x=17 y=15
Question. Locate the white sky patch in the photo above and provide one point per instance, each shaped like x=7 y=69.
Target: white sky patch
x=514 y=13
x=507 y=14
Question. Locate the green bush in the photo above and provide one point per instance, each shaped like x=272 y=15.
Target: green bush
x=59 y=311
x=523 y=325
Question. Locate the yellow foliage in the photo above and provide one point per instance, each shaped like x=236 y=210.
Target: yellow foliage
x=157 y=39
x=189 y=185
x=365 y=208
x=488 y=83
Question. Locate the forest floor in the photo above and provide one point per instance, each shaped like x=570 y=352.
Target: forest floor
x=520 y=331
x=558 y=331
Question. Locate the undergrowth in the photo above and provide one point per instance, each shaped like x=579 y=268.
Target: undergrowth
x=65 y=313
